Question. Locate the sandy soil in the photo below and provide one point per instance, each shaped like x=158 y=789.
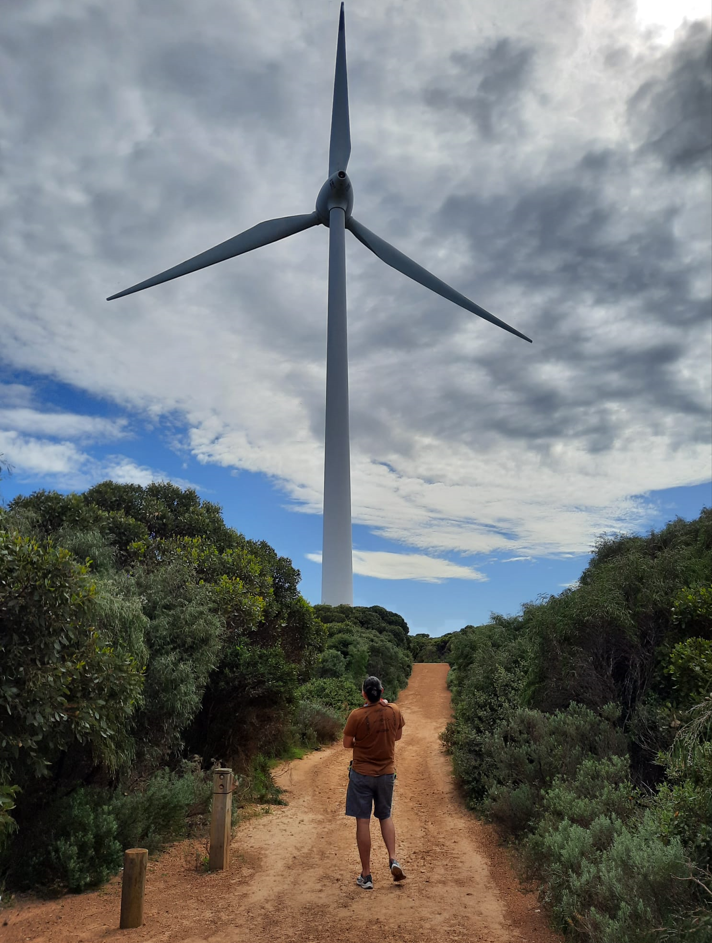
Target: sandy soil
x=293 y=871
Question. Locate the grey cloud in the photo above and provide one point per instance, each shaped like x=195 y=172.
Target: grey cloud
x=215 y=82
x=600 y=229
x=673 y=112
x=566 y=235
x=487 y=86
x=141 y=134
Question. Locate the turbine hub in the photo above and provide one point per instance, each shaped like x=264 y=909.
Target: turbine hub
x=336 y=192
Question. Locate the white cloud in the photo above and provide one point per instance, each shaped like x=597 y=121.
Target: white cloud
x=61 y=425
x=406 y=566
x=63 y=465
x=38 y=457
x=664 y=17
x=134 y=148
x=15 y=394
x=125 y=471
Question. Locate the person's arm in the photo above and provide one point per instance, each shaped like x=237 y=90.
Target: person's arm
x=349 y=733
x=401 y=725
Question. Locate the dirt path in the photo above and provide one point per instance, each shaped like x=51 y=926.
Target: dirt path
x=294 y=870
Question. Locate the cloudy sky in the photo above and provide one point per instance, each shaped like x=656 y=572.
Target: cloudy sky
x=551 y=160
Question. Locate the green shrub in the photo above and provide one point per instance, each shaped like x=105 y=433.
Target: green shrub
x=63 y=678
x=619 y=669
x=425 y=649
x=691 y=670
x=337 y=694
x=7 y=804
x=604 y=640
x=159 y=812
x=523 y=756
x=71 y=844
x=692 y=610
x=370 y=641
x=611 y=882
x=183 y=636
x=331 y=664
x=315 y=724
x=490 y=666
x=248 y=705
x=257 y=784
x=78 y=841
x=599 y=787
x=684 y=806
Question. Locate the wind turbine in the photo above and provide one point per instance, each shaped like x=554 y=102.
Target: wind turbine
x=334 y=206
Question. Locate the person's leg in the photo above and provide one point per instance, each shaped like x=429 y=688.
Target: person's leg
x=363 y=840
x=388 y=831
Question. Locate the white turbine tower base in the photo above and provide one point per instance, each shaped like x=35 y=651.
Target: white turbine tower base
x=334 y=206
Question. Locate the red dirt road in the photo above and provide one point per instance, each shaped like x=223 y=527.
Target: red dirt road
x=293 y=873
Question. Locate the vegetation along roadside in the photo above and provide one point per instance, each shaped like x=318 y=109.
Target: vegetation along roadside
x=142 y=641
x=583 y=729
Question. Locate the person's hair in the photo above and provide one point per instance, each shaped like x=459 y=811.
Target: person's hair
x=373 y=689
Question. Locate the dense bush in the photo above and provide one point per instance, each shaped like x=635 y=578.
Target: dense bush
x=77 y=841
x=609 y=882
x=137 y=629
x=369 y=641
x=583 y=728
x=184 y=636
x=315 y=724
x=247 y=706
x=525 y=754
x=72 y=843
x=70 y=663
x=425 y=649
x=161 y=809
x=489 y=669
x=337 y=694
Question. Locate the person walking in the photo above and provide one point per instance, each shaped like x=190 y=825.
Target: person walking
x=371 y=732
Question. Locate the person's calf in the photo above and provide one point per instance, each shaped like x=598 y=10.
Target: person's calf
x=363 y=841
x=388 y=833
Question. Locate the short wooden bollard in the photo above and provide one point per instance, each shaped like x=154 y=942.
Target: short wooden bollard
x=221 y=820
x=133 y=887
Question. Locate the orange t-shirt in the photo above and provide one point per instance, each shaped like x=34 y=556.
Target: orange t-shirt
x=375 y=727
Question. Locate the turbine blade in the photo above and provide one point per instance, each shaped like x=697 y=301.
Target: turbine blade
x=391 y=256
x=262 y=234
x=340 y=145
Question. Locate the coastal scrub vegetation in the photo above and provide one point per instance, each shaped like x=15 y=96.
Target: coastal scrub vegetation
x=142 y=642
x=583 y=729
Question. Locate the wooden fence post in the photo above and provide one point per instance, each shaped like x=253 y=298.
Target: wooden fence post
x=221 y=820
x=133 y=887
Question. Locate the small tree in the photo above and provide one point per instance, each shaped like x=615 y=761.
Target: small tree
x=62 y=678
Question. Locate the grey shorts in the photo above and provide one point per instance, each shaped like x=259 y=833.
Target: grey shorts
x=367 y=791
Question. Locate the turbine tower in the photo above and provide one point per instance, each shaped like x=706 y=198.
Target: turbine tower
x=334 y=206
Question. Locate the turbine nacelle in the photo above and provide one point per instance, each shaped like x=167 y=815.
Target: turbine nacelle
x=337 y=193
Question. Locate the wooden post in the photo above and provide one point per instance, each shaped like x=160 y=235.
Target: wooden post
x=221 y=820
x=132 y=888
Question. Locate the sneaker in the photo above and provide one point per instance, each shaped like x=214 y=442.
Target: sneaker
x=397 y=871
x=365 y=882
